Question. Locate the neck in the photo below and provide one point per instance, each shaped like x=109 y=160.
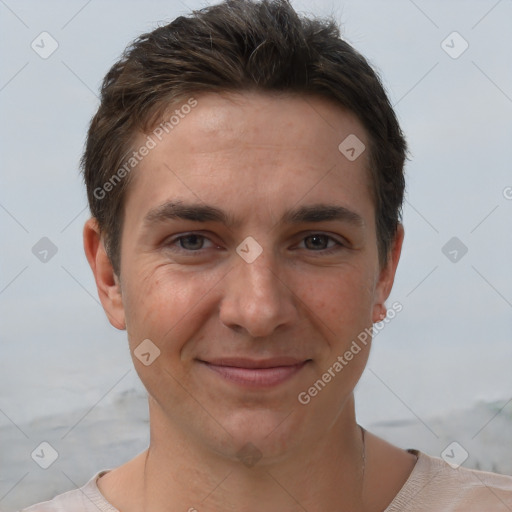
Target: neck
x=324 y=473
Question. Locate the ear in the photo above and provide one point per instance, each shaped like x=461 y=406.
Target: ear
x=107 y=282
x=387 y=276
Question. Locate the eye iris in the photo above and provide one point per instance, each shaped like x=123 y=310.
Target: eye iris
x=320 y=242
x=196 y=242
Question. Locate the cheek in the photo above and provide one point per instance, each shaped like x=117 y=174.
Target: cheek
x=163 y=305
x=167 y=308
x=341 y=298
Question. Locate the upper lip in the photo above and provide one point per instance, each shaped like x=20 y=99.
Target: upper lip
x=243 y=362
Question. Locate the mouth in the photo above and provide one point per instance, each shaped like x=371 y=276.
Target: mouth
x=253 y=373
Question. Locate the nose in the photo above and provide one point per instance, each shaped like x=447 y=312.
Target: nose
x=257 y=300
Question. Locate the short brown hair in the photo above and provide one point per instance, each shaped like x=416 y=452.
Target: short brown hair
x=235 y=46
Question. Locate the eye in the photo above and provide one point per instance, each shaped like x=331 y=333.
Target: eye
x=320 y=242
x=191 y=242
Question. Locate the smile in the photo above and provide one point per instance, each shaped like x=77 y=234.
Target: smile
x=256 y=374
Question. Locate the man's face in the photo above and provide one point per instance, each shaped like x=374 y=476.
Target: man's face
x=196 y=285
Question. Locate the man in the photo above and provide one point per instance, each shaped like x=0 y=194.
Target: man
x=245 y=177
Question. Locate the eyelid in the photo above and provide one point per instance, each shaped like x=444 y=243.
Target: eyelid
x=338 y=239
x=174 y=240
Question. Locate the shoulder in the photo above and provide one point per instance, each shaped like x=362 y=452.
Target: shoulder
x=85 y=499
x=436 y=485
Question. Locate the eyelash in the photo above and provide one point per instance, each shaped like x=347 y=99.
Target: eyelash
x=338 y=245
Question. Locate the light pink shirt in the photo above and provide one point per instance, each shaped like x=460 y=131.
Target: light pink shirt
x=432 y=486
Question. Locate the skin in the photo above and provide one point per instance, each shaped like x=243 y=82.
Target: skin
x=255 y=156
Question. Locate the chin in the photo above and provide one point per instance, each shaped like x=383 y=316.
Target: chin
x=261 y=434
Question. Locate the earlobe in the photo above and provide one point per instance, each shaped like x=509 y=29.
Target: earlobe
x=379 y=313
x=387 y=276
x=107 y=283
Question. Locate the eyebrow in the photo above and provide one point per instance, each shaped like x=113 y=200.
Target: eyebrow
x=188 y=211
x=321 y=212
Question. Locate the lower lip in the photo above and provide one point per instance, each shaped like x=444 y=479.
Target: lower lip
x=257 y=377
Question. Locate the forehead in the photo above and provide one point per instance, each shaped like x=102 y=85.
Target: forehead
x=253 y=145
x=303 y=124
